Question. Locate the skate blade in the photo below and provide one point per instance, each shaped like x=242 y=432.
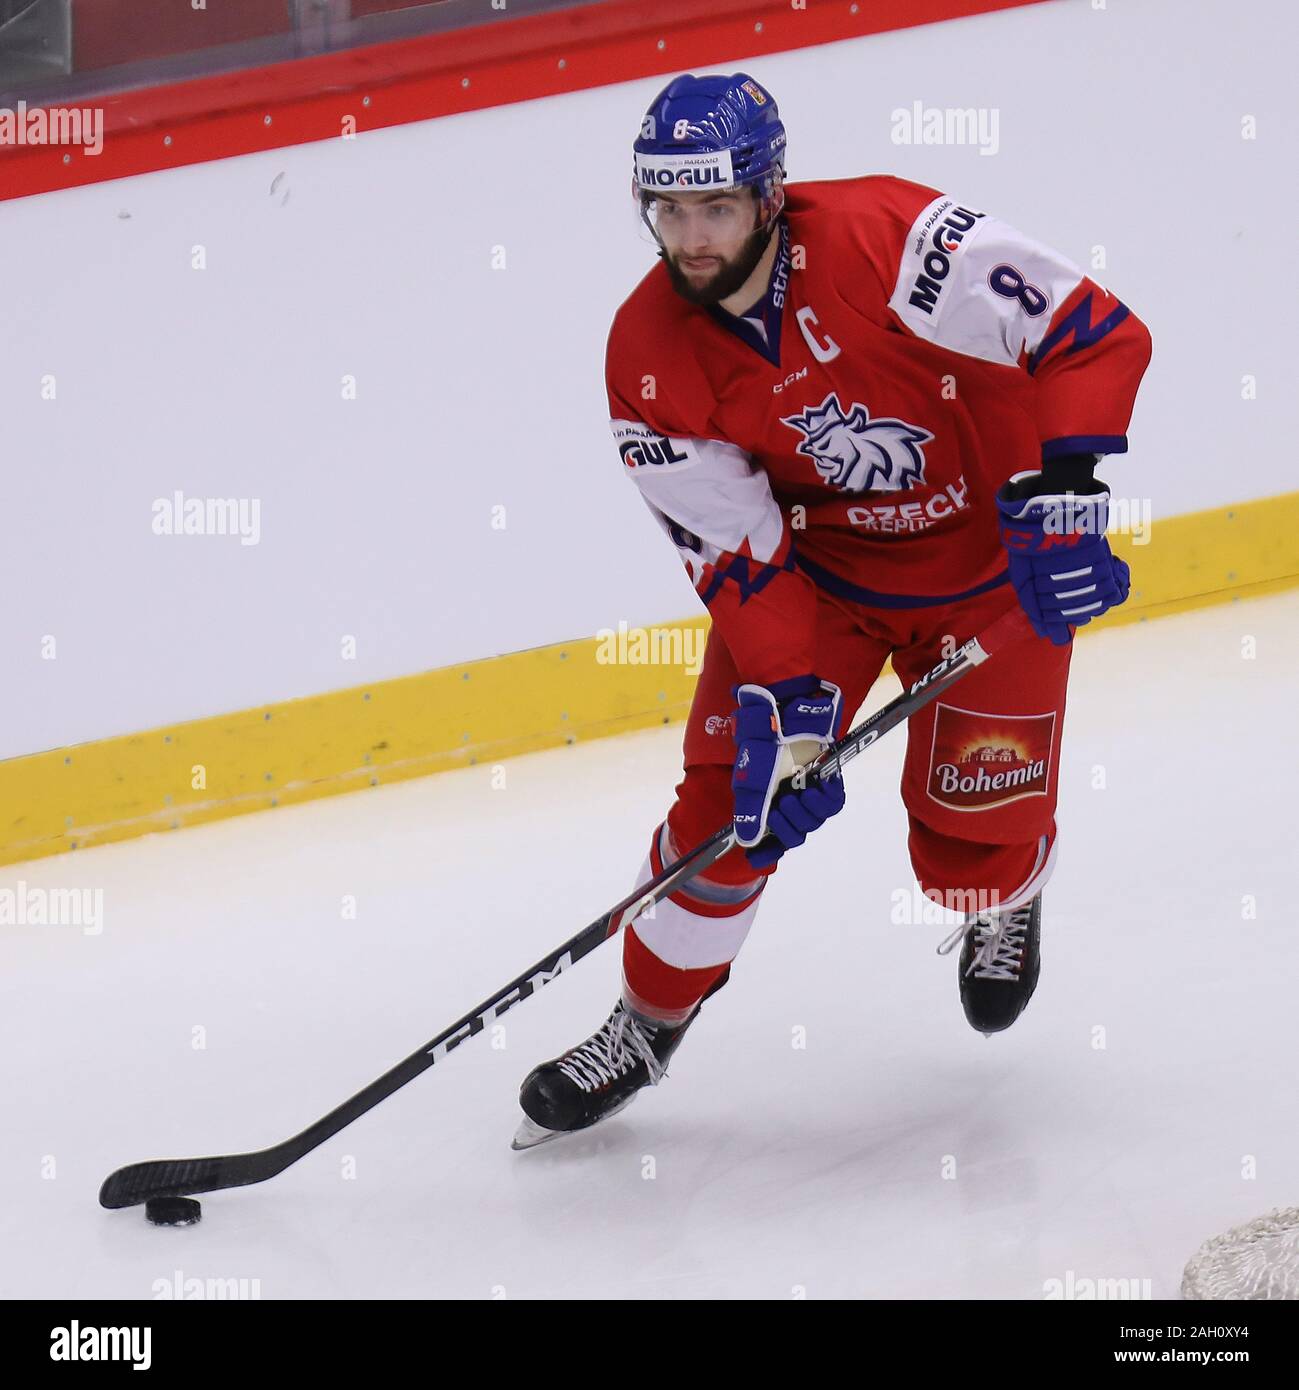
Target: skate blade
x=529 y=1134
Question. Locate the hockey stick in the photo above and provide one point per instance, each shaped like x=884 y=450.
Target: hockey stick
x=177 y=1177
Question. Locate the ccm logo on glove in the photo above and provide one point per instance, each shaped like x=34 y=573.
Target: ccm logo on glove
x=779 y=729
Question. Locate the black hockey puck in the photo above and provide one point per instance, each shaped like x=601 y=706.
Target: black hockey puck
x=173 y=1211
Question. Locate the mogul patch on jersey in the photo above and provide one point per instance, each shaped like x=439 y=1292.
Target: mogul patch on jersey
x=978 y=761
x=942 y=231
x=857 y=454
x=641 y=447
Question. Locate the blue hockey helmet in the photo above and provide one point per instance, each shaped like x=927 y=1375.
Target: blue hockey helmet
x=711 y=133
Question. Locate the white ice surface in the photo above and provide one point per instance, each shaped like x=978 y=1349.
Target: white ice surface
x=1116 y=1126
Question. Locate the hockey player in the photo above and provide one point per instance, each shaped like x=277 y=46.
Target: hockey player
x=868 y=417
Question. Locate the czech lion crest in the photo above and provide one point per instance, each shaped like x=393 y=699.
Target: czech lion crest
x=857 y=454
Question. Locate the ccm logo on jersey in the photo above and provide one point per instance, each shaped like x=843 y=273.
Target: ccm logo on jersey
x=936 y=247
x=639 y=446
x=789 y=381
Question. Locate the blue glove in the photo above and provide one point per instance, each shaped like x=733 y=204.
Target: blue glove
x=777 y=730
x=1060 y=562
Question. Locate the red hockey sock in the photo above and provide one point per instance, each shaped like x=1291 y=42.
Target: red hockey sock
x=660 y=991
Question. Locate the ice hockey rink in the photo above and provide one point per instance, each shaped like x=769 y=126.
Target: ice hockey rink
x=1140 y=1105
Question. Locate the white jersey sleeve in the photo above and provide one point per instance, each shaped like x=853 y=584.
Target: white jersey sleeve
x=708 y=495
x=971 y=283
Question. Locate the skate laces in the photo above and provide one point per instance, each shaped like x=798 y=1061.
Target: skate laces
x=999 y=942
x=611 y=1053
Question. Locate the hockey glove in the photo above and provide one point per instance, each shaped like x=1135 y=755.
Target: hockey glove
x=1060 y=562
x=777 y=731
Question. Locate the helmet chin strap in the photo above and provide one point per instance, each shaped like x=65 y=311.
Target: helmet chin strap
x=778 y=197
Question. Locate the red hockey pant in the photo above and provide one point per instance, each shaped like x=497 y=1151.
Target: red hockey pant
x=979 y=785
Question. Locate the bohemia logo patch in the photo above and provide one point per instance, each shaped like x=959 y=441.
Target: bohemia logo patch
x=984 y=760
x=857 y=454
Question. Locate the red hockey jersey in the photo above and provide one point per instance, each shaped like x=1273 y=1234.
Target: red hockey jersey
x=851 y=429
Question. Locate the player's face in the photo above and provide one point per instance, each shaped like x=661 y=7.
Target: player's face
x=710 y=242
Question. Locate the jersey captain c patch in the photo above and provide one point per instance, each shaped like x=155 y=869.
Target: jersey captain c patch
x=854 y=453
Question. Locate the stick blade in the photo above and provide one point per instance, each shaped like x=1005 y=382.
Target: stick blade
x=179 y=1177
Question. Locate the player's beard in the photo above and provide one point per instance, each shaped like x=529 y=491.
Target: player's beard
x=729 y=276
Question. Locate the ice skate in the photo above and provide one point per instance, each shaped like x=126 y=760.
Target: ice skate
x=599 y=1077
x=999 y=965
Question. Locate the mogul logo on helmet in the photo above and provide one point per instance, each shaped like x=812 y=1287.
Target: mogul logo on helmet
x=950 y=224
x=978 y=761
x=857 y=454
x=685 y=172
